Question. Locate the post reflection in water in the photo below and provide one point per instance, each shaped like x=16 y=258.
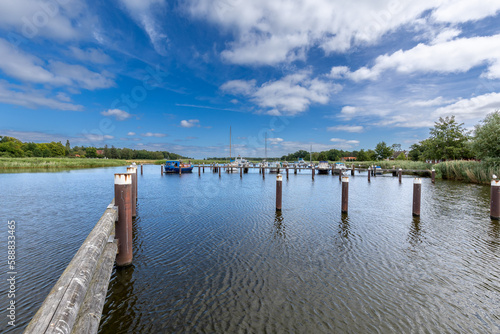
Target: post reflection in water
x=279 y=226
x=415 y=234
x=494 y=234
x=344 y=227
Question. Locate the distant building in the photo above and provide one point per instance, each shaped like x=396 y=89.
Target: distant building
x=99 y=152
x=348 y=158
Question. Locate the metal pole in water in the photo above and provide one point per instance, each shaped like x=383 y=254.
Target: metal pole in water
x=400 y=174
x=203 y=168
x=123 y=200
x=263 y=172
x=369 y=173
x=161 y=169
x=295 y=170
x=279 y=184
x=352 y=170
x=241 y=172
x=312 y=167
x=219 y=170
x=495 y=199
x=141 y=169
x=433 y=175
x=199 y=170
x=417 y=189
x=136 y=182
x=345 y=193
x=287 y=172
x=131 y=171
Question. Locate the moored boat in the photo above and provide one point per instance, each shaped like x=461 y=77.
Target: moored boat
x=173 y=166
x=339 y=168
x=323 y=167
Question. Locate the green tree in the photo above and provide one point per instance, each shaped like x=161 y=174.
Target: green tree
x=416 y=152
x=486 y=140
x=106 y=151
x=448 y=140
x=401 y=156
x=67 y=148
x=383 y=151
x=113 y=152
x=91 y=152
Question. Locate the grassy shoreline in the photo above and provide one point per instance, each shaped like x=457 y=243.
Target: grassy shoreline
x=21 y=163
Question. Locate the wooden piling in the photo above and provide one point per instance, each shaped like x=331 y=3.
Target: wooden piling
x=400 y=175
x=131 y=171
x=433 y=175
x=417 y=189
x=287 y=172
x=141 y=169
x=199 y=170
x=495 y=199
x=219 y=168
x=241 y=172
x=345 y=193
x=352 y=170
x=161 y=169
x=369 y=173
x=279 y=185
x=295 y=170
x=123 y=200
x=313 y=171
x=263 y=172
x=203 y=168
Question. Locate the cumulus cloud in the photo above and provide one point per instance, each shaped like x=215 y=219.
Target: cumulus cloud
x=346 y=128
x=152 y=134
x=344 y=144
x=131 y=133
x=118 y=114
x=190 y=123
x=270 y=32
x=288 y=96
x=473 y=108
x=458 y=55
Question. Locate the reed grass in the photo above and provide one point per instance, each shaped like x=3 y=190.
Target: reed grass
x=468 y=171
x=18 y=163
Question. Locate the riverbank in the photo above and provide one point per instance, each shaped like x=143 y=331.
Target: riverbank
x=17 y=163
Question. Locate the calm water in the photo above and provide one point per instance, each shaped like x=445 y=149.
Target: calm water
x=212 y=255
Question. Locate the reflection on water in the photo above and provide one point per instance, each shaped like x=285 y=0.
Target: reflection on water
x=213 y=255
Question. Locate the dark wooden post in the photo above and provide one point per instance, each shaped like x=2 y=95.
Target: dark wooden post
x=313 y=171
x=263 y=172
x=433 y=175
x=141 y=169
x=123 y=200
x=287 y=172
x=400 y=175
x=295 y=170
x=352 y=170
x=131 y=171
x=345 y=193
x=495 y=199
x=333 y=170
x=369 y=173
x=279 y=184
x=241 y=172
x=219 y=167
x=161 y=169
x=203 y=168
x=417 y=189
x=199 y=170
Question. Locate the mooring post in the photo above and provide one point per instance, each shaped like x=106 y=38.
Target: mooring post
x=199 y=170
x=203 y=168
x=123 y=200
x=433 y=175
x=287 y=172
x=369 y=173
x=417 y=189
x=495 y=198
x=295 y=170
x=263 y=172
x=241 y=172
x=345 y=193
x=352 y=170
x=180 y=168
x=313 y=172
x=400 y=175
x=219 y=170
x=136 y=182
x=260 y=169
x=131 y=171
x=279 y=184
x=141 y=169
x=161 y=169
x=333 y=171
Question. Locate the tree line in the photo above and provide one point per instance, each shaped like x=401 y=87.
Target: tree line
x=14 y=148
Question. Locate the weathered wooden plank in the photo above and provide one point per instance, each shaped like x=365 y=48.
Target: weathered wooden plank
x=58 y=312
x=90 y=313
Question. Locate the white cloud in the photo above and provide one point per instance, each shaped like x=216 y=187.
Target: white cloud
x=90 y=55
x=118 y=114
x=289 y=96
x=473 y=108
x=270 y=32
x=190 y=123
x=33 y=98
x=274 y=141
x=344 y=144
x=346 y=128
x=459 y=55
x=446 y=35
x=35 y=136
x=145 y=12
x=151 y=134
x=91 y=137
x=23 y=66
x=131 y=133
x=338 y=72
x=438 y=101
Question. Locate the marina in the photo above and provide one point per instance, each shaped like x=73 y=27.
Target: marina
x=306 y=268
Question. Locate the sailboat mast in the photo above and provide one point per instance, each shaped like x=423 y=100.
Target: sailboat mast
x=229 y=144
x=266 y=146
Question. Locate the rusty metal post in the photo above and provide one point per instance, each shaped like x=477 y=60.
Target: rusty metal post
x=352 y=170
x=369 y=173
x=141 y=169
x=345 y=193
x=161 y=169
x=433 y=175
x=279 y=184
x=400 y=175
x=417 y=189
x=131 y=171
x=123 y=200
x=495 y=199
x=287 y=172
x=241 y=172
x=199 y=170
x=136 y=183
x=313 y=171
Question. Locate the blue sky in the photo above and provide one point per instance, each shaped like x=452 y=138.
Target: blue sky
x=176 y=75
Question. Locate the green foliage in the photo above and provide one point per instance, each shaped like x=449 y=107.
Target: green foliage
x=469 y=171
x=91 y=152
x=401 y=156
x=448 y=140
x=383 y=151
x=8 y=163
x=486 y=141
